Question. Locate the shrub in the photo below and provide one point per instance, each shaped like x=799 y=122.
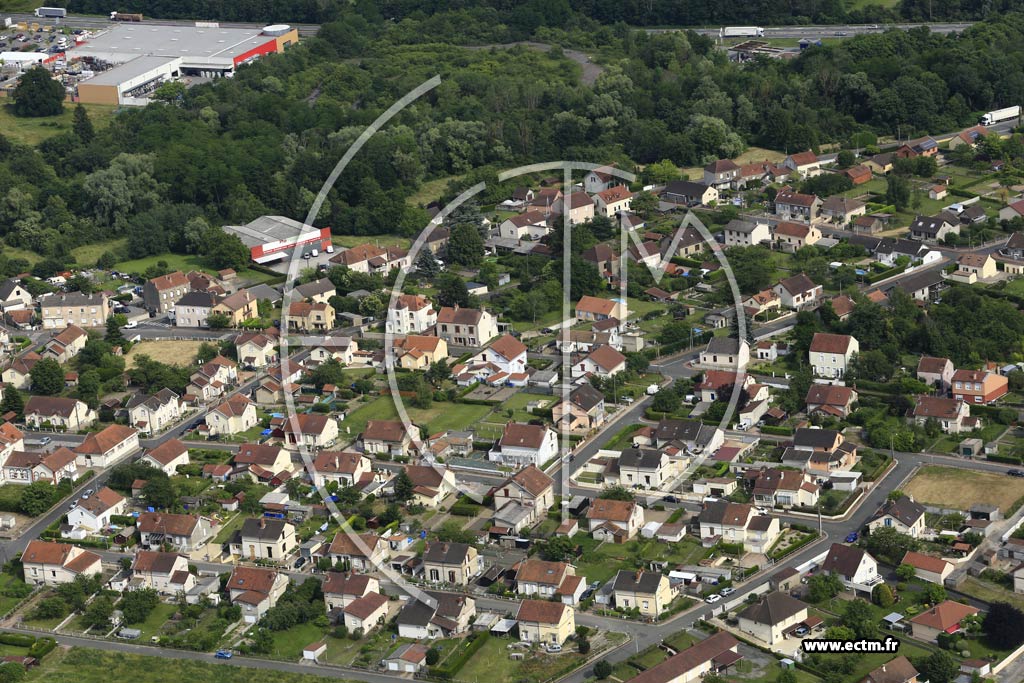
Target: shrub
x=602 y=669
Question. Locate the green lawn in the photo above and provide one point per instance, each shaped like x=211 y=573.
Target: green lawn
x=288 y=644
x=32 y=131
x=8 y=603
x=187 y=262
x=491 y=664
x=1015 y=286
x=82 y=665
x=517 y=404
x=233 y=525
x=602 y=563
x=157 y=618
x=429 y=191
x=438 y=417
x=87 y=254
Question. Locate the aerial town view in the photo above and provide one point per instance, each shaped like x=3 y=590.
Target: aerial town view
x=656 y=341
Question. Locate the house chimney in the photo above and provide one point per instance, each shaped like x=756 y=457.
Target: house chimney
x=639 y=573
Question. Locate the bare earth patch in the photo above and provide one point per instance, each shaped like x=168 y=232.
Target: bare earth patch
x=950 y=487
x=175 y=352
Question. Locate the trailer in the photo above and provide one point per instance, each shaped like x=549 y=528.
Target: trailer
x=741 y=32
x=1000 y=115
x=124 y=16
x=51 y=12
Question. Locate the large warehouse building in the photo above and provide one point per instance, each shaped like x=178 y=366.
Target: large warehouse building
x=272 y=238
x=145 y=55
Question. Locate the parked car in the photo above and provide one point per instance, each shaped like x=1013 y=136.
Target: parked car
x=45 y=440
x=713 y=598
x=852 y=537
x=800 y=630
x=223 y=654
x=131 y=325
x=554 y=647
x=670 y=499
x=1015 y=473
x=300 y=562
x=728 y=590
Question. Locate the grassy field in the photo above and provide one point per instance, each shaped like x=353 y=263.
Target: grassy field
x=32 y=131
x=228 y=529
x=602 y=563
x=959 y=489
x=492 y=664
x=430 y=191
x=157 y=618
x=288 y=644
x=82 y=665
x=87 y=254
x=1015 y=286
x=349 y=241
x=438 y=417
x=174 y=352
x=750 y=156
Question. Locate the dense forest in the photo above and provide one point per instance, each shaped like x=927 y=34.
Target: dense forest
x=525 y=17
x=264 y=141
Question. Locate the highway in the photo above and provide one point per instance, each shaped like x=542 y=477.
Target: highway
x=96 y=23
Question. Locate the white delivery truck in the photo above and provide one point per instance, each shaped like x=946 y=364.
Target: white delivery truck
x=998 y=115
x=742 y=32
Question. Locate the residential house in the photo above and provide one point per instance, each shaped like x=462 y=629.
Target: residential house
x=107 y=447
x=466 y=326
x=450 y=615
x=153 y=414
x=541 y=621
x=792 y=237
x=936 y=372
x=311 y=430
x=866 y=225
x=820 y=451
x=523 y=499
x=93 y=512
x=689 y=193
x=923 y=285
x=409 y=658
x=507 y=353
x=183 y=533
x=167 y=457
x=232 y=416
x=66 y=345
x=902 y=514
x=22 y=467
x=600 y=179
x=255 y=590
x=689 y=435
x=928 y=567
x=74 y=308
x=346 y=468
x=898 y=670
x=831 y=355
x=977 y=386
x=804 y=163
x=57 y=412
x=237 y=307
x=717 y=385
x=14 y=296
x=389 y=437
x=603 y=361
x=51 y=564
x=745 y=233
x=256 y=349
x=762 y=302
x=880 y=163
x=712 y=655
x=613 y=201
x=889 y=251
x=361 y=553
x=721 y=174
x=605 y=259
x=535 y=577
x=318 y=291
x=18 y=375
x=942 y=618
x=577 y=205
x=952 y=415
x=417 y=352
x=264 y=539
x=341 y=588
x=367 y=258
x=969 y=136
x=725 y=353
x=772 y=617
x=854 y=566
x=738 y=523
x=647 y=592
x=341 y=349
x=268 y=456
x=773 y=487
x=411 y=314
x=974 y=267
x=592 y=308
x=525 y=444
x=842 y=210
x=307 y=317
x=530 y=225
x=582 y=412
x=430 y=484
x=646 y=467
x=452 y=563
x=935 y=228
x=192 y=309
x=160 y=294
x=790 y=205
x=616 y=519
x=798 y=291
x=166 y=573
x=830 y=399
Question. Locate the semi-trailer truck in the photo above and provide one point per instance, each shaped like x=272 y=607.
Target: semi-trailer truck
x=742 y=32
x=123 y=16
x=998 y=115
x=51 y=12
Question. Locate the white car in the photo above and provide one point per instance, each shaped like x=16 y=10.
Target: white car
x=131 y=325
x=554 y=648
x=713 y=598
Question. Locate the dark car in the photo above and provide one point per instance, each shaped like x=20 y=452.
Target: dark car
x=670 y=499
x=300 y=562
x=1015 y=473
x=851 y=537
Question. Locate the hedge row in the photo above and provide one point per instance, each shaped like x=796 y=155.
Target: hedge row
x=810 y=538
x=1007 y=459
x=777 y=430
x=454 y=663
x=17 y=639
x=42 y=647
x=465 y=509
x=878 y=277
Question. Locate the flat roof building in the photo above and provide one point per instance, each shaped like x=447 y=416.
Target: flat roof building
x=272 y=238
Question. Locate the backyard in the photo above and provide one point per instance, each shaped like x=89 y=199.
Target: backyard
x=438 y=417
x=174 y=352
x=492 y=664
x=602 y=562
x=950 y=487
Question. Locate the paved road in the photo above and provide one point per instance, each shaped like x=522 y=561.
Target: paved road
x=96 y=23
x=839 y=30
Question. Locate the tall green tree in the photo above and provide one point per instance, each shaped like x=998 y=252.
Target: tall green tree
x=465 y=245
x=47 y=377
x=38 y=94
x=82 y=125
